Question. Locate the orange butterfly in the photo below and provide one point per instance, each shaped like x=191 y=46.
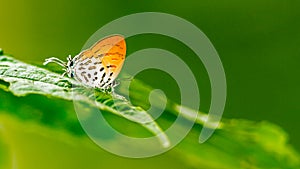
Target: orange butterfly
x=97 y=66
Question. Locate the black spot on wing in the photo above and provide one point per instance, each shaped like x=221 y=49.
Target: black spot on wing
x=104 y=74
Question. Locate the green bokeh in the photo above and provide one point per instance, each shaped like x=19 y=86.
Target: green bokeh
x=257 y=42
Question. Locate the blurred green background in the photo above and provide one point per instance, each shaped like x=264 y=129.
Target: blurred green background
x=258 y=43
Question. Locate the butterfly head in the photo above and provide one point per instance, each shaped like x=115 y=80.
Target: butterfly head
x=70 y=67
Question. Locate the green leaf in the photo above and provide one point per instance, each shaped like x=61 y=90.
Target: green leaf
x=237 y=143
x=22 y=79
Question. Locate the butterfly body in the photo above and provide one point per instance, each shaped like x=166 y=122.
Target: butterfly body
x=98 y=66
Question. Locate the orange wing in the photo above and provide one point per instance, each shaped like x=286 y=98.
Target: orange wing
x=111 y=53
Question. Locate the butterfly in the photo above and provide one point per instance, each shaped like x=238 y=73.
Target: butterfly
x=98 y=66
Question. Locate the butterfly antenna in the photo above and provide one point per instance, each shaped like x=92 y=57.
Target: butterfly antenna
x=55 y=60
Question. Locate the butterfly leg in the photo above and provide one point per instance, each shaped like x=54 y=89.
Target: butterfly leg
x=63 y=74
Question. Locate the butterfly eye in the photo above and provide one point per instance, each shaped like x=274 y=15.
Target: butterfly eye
x=72 y=75
x=71 y=63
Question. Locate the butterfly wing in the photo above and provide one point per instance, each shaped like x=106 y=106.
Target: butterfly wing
x=101 y=64
x=113 y=51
